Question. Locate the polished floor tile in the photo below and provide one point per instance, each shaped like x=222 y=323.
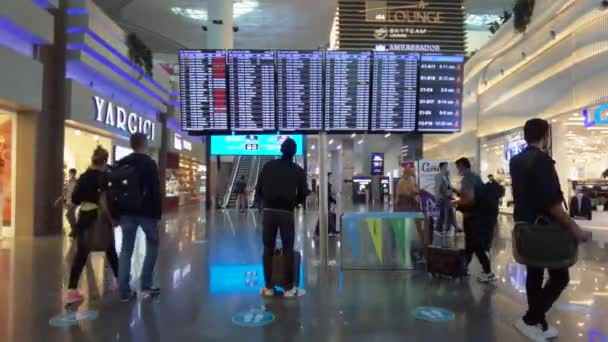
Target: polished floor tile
x=210 y=270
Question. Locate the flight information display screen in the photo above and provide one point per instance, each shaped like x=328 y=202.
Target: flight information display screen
x=251 y=87
x=300 y=90
x=394 y=92
x=440 y=93
x=202 y=82
x=347 y=90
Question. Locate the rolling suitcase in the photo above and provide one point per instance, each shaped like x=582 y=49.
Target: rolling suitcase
x=449 y=262
x=280 y=267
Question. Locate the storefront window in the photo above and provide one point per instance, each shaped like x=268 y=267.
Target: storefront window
x=582 y=163
x=496 y=152
x=6 y=171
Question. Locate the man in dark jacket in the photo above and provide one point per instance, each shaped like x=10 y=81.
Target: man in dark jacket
x=281 y=187
x=537 y=193
x=145 y=214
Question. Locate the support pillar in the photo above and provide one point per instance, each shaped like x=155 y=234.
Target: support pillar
x=323 y=203
x=221 y=20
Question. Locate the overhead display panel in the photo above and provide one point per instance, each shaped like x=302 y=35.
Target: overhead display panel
x=251 y=86
x=347 y=90
x=300 y=90
x=202 y=82
x=440 y=93
x=253 y=144
x=394 y=92
x=403 y=25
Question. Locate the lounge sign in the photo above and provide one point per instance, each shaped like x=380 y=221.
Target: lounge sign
x=412 y=25
x=118 y=117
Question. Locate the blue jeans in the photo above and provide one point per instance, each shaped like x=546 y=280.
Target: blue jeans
x=129 y=225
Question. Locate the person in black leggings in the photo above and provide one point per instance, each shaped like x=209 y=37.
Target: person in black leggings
x=88 y=195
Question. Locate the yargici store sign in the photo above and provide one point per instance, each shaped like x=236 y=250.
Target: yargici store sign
x=109 y=114
x=408 y=25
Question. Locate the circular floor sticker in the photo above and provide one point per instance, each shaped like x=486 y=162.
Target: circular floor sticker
x=433 y=314
x=73 y=318
x=253 y=318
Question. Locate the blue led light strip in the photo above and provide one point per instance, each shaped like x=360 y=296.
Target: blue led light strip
x=124 y=59
x=18 y=39
x=101 y=59
x=44 y=4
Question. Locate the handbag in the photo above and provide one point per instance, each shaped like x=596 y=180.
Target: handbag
x=99 y=236
x=544 y=244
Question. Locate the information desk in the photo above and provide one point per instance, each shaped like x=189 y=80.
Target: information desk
x=381 y=240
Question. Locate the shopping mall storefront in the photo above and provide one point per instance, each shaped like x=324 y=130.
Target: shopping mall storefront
x=186 y=173
x=23 y=28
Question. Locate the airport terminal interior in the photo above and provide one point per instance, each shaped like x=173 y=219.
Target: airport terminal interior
x=381 y=137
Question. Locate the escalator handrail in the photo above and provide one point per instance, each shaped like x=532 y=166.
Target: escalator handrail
x=235 y=170
x=255 y=183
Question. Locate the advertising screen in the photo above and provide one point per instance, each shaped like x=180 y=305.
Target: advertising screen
x=253 y=144
x=377 y=164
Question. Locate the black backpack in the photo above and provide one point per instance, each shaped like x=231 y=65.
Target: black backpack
x=487 y=197
x=125 y=190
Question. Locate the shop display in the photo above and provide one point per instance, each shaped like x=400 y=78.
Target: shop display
x=184 y=180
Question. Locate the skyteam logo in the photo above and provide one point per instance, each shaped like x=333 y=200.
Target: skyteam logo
x=596 y=118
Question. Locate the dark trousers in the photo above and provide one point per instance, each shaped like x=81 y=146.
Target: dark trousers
x=85 y=221
x=474 y=244
x=273 y=222
x=541 y=299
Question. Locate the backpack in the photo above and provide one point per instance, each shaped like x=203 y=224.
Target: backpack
x=487 y=197
x=125 y=190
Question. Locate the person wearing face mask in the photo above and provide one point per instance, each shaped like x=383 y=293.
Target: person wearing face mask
x=580 y=206
x=537 y=193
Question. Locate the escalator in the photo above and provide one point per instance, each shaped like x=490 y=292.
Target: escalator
x=250 y=167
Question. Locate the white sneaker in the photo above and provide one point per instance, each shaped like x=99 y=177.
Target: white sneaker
x=267 y=292
x=487 y=277
x=551 y=332
x=294 y=292
x=534 y=333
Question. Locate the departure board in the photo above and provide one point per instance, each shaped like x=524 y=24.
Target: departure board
x=300 y=90
x=394 y=92
x=251 y=87
x=440 y=93
x=347 y=90
x=202 y=83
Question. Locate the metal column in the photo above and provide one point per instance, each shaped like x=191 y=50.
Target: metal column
x=323 y=199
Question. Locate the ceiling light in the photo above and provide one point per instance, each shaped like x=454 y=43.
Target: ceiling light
x=576 y=119
x=95 y=137
x=331 y=141
x=78 y=132
x=241 y=7
x=481 y=20
x=387 y=135
x=353 y=135
x=574 y=124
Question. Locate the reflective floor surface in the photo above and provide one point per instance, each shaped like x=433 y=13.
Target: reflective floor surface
x=210 y=270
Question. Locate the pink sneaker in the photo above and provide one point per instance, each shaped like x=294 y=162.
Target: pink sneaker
x=74 y=296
